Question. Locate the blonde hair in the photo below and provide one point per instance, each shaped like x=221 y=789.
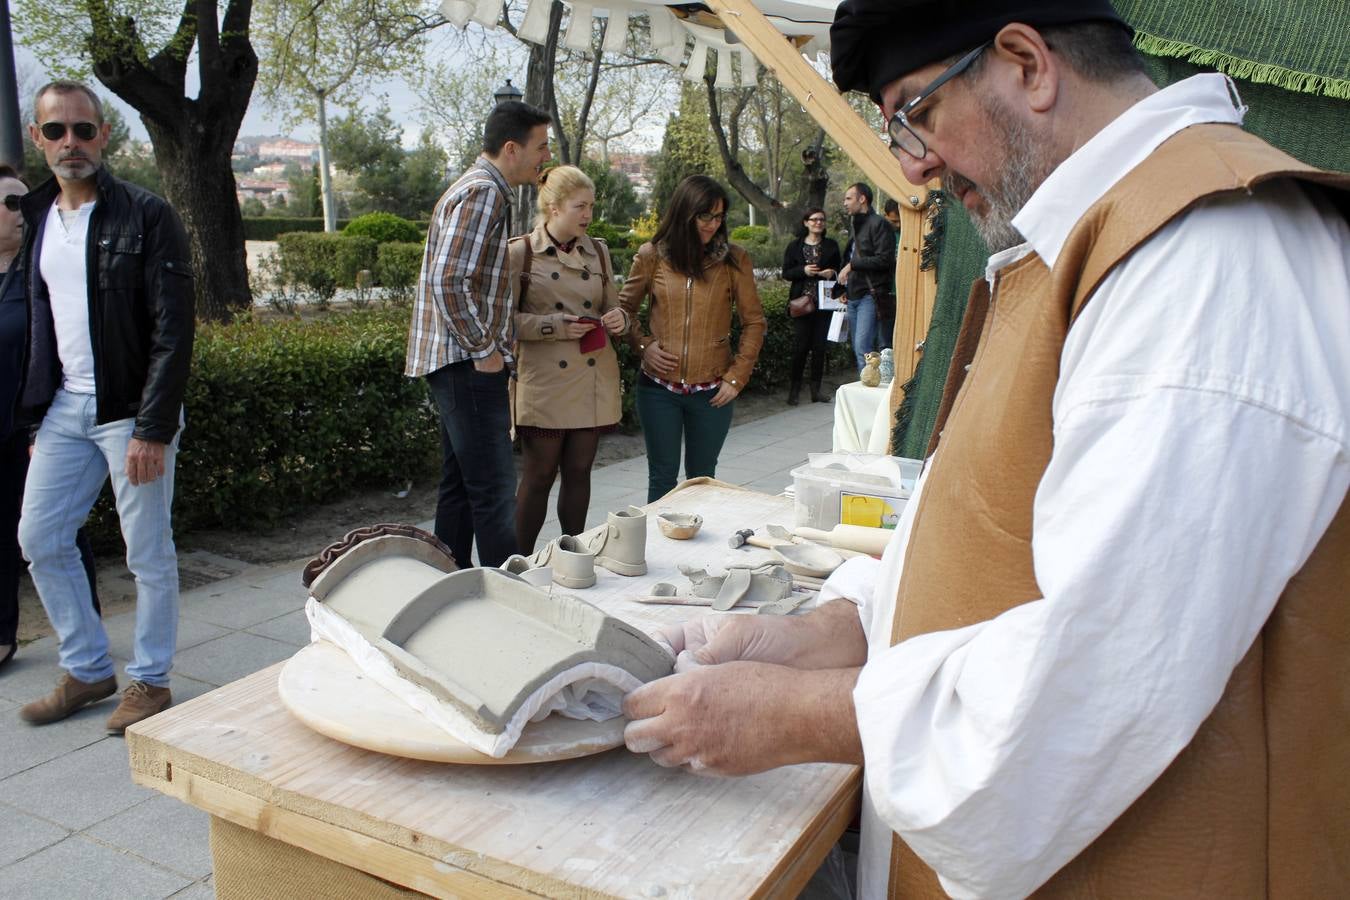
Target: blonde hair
x=556 y=185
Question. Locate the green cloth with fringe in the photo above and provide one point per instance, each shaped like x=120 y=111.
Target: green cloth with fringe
x=1299 y=45
x=1290 y=60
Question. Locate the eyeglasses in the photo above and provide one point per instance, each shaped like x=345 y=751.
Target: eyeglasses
x=54 y=131
x=816 y=219
x=902 y=134
x=709 y=218
x=12 y=202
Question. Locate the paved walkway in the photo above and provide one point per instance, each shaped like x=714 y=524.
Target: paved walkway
x=72 y=824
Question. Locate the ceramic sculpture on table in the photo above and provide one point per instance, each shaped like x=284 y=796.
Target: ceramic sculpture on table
x=887 y=366
x=870 y=375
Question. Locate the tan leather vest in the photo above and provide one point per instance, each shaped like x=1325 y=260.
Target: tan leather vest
x=1259 y=803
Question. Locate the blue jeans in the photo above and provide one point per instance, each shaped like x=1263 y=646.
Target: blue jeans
x=862 y=325
x=478 y=476
x=670 y=420
x=72 y=459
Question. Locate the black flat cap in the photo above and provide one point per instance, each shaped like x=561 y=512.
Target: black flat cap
x=874 y=42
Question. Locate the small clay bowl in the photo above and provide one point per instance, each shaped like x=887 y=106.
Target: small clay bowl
x=679 y=526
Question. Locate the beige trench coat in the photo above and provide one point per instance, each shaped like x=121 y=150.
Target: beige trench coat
x=557 y=385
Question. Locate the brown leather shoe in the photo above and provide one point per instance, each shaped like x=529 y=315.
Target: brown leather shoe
x=71 y=695
x=139 y=701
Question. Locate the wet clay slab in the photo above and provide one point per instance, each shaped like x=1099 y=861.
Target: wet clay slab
x=323 y=687
x=481 y=640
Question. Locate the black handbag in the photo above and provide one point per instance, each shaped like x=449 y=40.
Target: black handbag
x=801 y=306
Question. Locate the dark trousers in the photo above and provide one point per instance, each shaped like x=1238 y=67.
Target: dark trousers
x=671 y=420
x=478 y=476
x=13 y=473
x=810 y=333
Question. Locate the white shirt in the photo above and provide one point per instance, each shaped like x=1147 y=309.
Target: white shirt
x=1201 y=449
x=62 y=266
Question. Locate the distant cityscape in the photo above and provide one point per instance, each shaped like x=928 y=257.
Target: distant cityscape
x=267 y=181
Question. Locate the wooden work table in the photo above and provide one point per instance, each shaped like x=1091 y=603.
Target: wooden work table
x=614 y=824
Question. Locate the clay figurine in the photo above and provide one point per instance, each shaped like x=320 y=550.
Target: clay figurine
x=887 y=366
x=870 y=375
x=679 y=526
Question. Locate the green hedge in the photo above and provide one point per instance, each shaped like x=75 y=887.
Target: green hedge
x=267 y=228
x=383 y=227
x=283 y=414
x=398 y=268
x=750 y=233
x=324 y=262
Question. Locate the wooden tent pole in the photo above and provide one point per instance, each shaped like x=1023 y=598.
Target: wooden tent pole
x=915 y=289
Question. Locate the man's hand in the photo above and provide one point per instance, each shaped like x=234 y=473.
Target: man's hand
x=145 y=461
x=745 y=717
x=574 y=328
x=492 y=364
x=726 y=392
x=614 y=321
x=657 y=360
x=827 y=638
x=842 y=277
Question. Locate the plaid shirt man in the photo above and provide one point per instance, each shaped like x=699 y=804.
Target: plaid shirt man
x=463 y=306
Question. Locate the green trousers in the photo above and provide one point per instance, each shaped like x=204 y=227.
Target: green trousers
x=670 y=420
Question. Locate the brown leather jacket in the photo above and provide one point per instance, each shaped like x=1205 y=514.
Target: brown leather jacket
x=691 y=317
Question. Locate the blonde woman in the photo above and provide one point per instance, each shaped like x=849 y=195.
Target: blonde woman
x=567 y=393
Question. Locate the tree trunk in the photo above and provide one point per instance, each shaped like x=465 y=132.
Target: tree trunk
x=199 y=182
x=325 y=175
x=779 y=217
x=193 y=137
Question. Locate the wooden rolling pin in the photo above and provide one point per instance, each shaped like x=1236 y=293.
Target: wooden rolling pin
x=871 y=541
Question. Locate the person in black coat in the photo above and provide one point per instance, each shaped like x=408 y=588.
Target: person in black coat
x=14 y=441
x=807 y=261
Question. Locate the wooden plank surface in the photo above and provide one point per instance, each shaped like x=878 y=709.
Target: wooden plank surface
x=609 y=825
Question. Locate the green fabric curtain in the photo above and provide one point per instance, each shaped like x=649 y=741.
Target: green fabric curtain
x=1304 y=116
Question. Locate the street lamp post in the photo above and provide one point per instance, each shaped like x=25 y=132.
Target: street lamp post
x=506 y=92
x=11 y=129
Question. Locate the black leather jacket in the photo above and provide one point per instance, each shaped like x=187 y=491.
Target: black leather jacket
x=873 y=259
x=141 y=314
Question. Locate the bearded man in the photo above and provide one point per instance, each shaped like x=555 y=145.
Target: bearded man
x=1106 y=651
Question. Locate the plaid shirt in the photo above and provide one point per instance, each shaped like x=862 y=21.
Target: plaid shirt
x=463 y=306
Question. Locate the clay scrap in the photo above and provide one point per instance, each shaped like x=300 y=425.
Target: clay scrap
x=480 y=651
x=738 y=585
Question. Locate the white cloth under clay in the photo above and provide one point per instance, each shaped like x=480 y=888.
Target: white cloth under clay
x=62 y=266
x=1201 y=448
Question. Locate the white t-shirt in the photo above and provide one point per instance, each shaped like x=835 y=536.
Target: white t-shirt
x=62 y=267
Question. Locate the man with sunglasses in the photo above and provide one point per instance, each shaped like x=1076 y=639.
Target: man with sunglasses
x=110 y=327
x=1105 y=653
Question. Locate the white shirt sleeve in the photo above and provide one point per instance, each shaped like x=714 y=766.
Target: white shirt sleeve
x=1201 y=448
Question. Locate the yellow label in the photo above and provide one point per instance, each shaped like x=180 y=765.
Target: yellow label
x=866 y=510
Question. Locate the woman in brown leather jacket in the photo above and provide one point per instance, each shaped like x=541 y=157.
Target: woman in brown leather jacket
x=690 y=372
x=567 y=388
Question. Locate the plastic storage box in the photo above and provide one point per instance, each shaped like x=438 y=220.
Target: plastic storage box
x=853 y=488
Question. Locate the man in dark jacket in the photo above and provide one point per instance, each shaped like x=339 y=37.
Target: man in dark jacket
x=110 y=324
x=868 y=273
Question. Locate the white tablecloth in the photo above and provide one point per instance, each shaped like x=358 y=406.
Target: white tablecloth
x=862 y=418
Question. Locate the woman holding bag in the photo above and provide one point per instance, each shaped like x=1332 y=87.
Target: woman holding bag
x=567 y=389
x=690 y=373
x=807 y=261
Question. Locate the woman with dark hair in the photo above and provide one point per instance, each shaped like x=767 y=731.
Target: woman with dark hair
x=807 y=261
x=690 y=373
x=14 y=441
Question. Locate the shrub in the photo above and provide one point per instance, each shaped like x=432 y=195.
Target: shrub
x=613 y=235
x=282 y=414
x=268 y=228
x=397 y=270
x=749 y=233
x=384 y=228
x=318 y=264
